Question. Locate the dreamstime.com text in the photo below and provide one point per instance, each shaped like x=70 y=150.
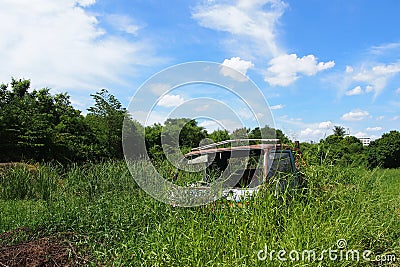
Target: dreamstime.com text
x=340 y=253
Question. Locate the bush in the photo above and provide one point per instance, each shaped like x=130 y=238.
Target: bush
x=385 y=151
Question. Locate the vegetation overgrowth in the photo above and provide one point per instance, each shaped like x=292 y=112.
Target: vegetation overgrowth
x=38 y=126
x=75 y=184
x=116 y=223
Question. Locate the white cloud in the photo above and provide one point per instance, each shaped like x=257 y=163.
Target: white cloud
x=245 y=113
x=374 y=129
x=237 y=64
x=292 y=121
x=170 y=101
x=380 y=118
x=123 y=23
x=395 y=118
x=384 y=49
x=251 y=22
x=360 y=134
x=325 y=124
x=397 y=91
x=210 y=125
x=276 y=107
x=285 y=69
x=147 y=118
x=305 y=131
x=259 y=115
x=159 y=88
x=315 y=131
x=377 y=76
x=355 y=91
x=310 y=134
x=349 y=69
x=355 y=115
x=59 y=44
x=224 y=124
x=85 y=3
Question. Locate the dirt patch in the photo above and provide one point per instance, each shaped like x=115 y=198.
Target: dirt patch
x=55 y=250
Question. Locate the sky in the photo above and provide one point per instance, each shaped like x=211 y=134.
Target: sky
x=317 y=63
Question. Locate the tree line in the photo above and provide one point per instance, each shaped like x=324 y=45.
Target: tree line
x=339 y=149
x=36 y=125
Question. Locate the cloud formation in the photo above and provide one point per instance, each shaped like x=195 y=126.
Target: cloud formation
x=159 y=88
x=251 y=22
x=61 y=44
x=377 y=76
x=285 y=69
x=355 y=91
x=355 y=115
x=123 y=23
x=360 y=134
x=170 y=101
x=237 y=64
x=325 y=124
x=374 y=129
x=276 y=107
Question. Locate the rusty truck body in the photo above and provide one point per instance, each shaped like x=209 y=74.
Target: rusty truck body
x=248 y=164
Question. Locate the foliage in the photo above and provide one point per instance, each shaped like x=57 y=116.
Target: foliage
x=133 y=138
x=269 y=133
x=105 y=119
x=153 y=141
x=37 y=125
x=335 y=149
x=123 y=226
x=219 y=135
x=339 y=130
x=187 y=130
x=240 y=133
x=265 y=132
x=385 y=151
x=21 y=182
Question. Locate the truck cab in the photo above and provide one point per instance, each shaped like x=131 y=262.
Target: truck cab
x=244 y=166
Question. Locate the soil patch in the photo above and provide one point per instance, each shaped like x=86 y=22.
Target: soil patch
x=55 y=250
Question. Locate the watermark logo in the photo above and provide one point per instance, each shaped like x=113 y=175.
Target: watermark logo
x=340 y=252
x=208 y=92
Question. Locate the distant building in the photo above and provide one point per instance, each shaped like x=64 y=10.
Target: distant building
x=365 y=140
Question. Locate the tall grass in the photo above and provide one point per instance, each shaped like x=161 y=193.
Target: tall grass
x=23 y=182
x=124 y=226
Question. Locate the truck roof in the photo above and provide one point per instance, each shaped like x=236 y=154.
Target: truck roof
x=269 y=144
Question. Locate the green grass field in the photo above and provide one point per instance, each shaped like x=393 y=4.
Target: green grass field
x=101 y=211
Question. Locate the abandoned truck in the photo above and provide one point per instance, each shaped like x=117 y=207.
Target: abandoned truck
x=246 y=165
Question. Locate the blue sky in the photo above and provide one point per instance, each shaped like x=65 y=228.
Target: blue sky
x=318 y=63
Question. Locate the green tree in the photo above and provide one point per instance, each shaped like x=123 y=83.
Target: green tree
x=269 y=133
x=37 y=125
x=72 y=137
x=188 y=132
x=133 y=137
x=153 y=141
x=352 y=151
x=219 y=135
x=385 y=151
x=333 y=139
x=240 y=133
x=339 y=130
x=106 y=119
x=337 y=150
